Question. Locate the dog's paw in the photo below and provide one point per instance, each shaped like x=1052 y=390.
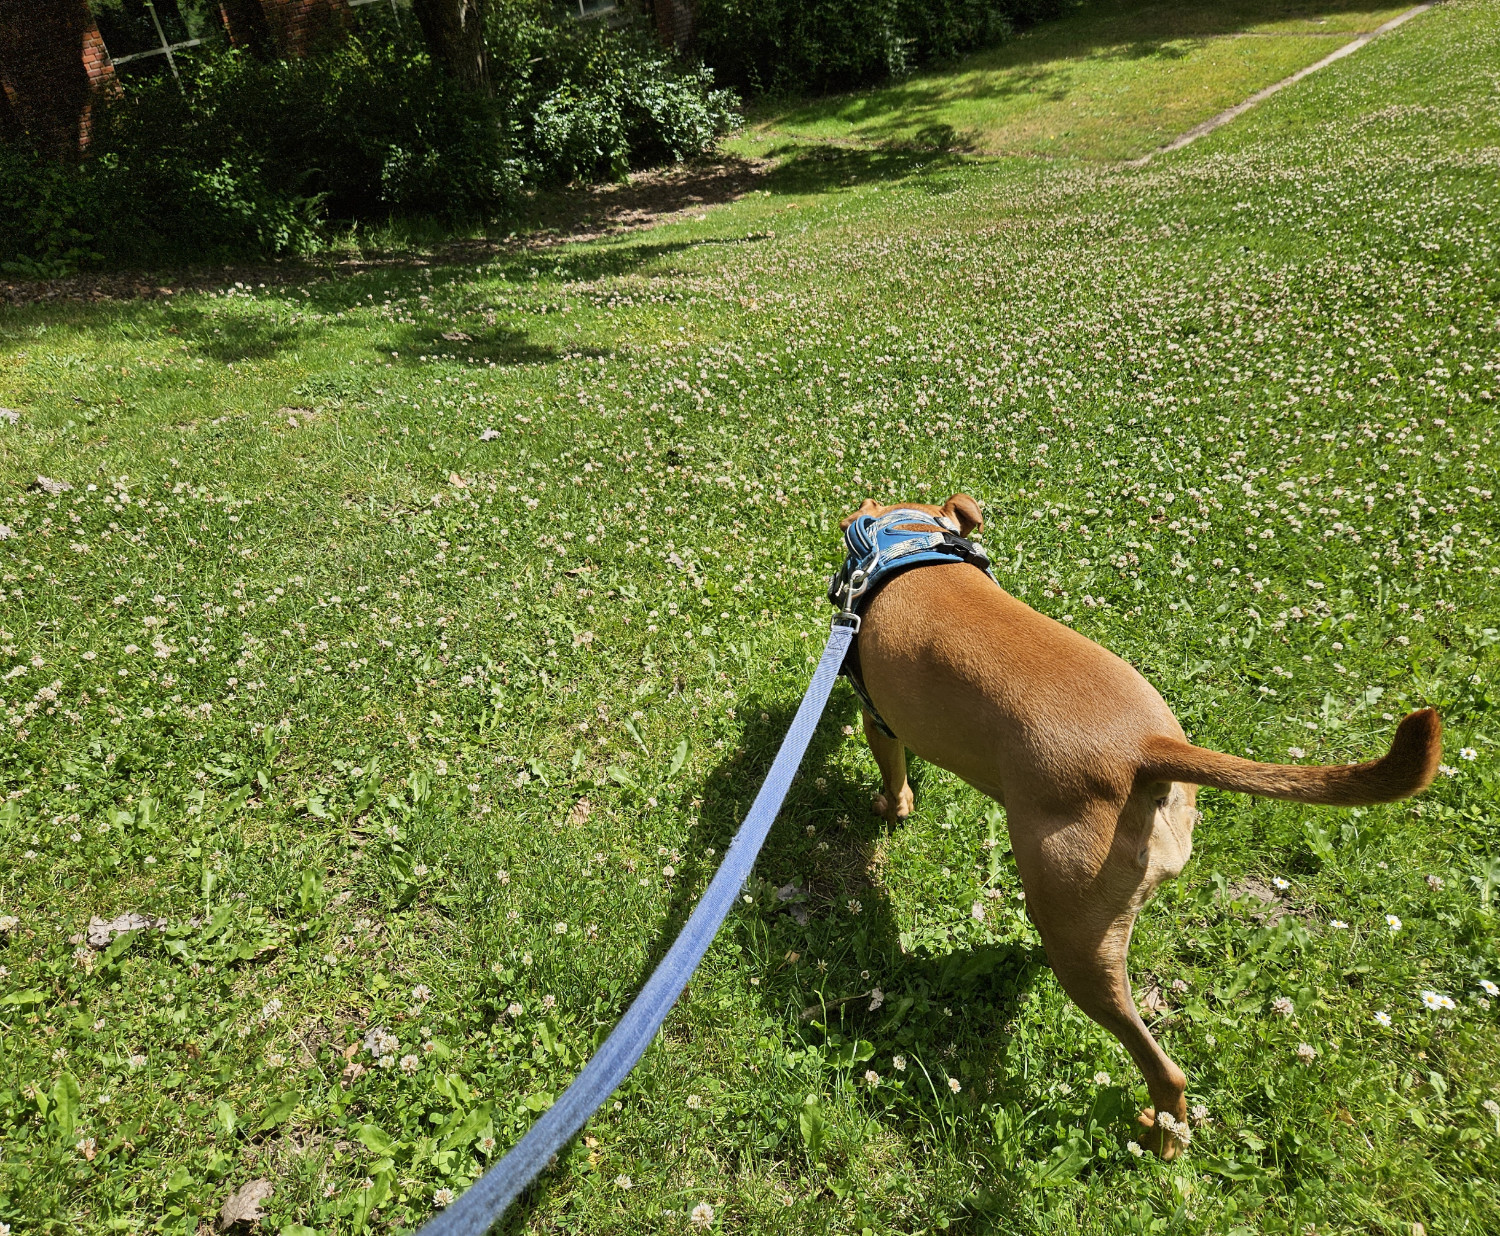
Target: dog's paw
x=881 y=805
x=1164 y=1136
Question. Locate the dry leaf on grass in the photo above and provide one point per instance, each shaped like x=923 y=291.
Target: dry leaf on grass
x=102 y=933
x=243 y=1205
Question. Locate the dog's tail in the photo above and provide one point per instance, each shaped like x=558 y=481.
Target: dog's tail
x=1406 y=769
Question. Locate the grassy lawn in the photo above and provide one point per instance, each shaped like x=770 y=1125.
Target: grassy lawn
x=411 y=641
x=1109 y=81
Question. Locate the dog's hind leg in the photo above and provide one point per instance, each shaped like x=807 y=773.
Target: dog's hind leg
x=895 y=800
x=1085 y=910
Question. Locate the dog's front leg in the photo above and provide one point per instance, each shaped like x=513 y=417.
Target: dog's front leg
x=895 y=800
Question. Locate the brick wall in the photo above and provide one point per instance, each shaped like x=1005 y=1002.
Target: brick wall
x=674 y=21
x=300 y=26
x=52 y=61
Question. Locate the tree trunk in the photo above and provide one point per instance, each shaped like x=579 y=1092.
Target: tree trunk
x=454 y=31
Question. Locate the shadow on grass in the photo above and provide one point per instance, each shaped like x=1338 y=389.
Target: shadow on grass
x=944 y=1010
x=1042 y=64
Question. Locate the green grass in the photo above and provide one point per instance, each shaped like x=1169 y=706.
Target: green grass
x=384 y=714
x=1109 y=81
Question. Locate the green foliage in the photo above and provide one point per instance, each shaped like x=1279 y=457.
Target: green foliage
x=44 y=207
x=604 y=101
x=250 y=157
x=784 y=46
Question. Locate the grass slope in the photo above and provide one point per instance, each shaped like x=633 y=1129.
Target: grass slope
x=411 y=642
x=1108 y=81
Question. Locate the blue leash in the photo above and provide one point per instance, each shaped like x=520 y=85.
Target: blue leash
x=487 y=1198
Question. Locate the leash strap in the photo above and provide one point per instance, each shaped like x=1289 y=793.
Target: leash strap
x=487 y=1198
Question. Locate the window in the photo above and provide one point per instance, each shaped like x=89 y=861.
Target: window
x=147 y=36
x=586 y=9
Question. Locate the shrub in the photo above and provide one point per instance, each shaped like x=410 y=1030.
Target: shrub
x=253 y=155
x=46 y=213
x=783 y=46
x=605 y=101
x=256 y=157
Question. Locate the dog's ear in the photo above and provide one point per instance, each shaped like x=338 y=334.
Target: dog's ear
x=966 y=512
x=866 y=507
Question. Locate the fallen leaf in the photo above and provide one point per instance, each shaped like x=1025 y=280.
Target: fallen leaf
x=243 y=1205
x=1152 y=1001
x=102 y=932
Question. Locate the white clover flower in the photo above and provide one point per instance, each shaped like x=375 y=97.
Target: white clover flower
x=702 y=1216
x=694 y=1102
x=1306 y=1052
x=443 y=1197
x=623 y=1182
x=953 y=1085
x=872 y=1078
x=561 y=929
x=898 y=1063
x=1135 y=1149
x=1101 y=1079
x=1200 y=1114
x=1282 y=1006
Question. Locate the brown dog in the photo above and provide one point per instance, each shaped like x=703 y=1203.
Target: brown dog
x=1096 y=777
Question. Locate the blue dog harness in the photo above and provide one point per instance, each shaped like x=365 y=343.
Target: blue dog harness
x=879 y=550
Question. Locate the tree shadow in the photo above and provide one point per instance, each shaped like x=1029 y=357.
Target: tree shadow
x=1038 y=63
x=808 y=168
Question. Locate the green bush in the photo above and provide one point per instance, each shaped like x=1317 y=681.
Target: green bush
x=604 y=101
x=253 y=157
x=45 y=216
x=785 y=46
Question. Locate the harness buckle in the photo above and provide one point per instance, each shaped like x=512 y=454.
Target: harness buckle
x=846 y=616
